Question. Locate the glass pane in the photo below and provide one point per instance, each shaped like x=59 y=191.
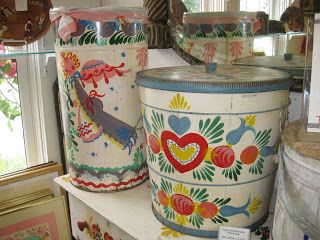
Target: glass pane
x=12 y=150
x=193 y=5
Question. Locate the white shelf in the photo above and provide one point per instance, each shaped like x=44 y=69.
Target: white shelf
x=130 y=210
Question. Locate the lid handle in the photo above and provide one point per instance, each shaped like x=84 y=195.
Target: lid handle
x=211 y=67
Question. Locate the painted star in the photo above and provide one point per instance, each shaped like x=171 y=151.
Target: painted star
x=93 y=154
x=106 y=144
x=123 y=54
x=112 y=89
x=132 y=86
x=116 y=108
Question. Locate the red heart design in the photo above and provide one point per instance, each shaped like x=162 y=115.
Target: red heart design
x=190 y=138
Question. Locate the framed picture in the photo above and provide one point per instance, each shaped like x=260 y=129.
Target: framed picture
x=44 y=220
x=31 y=180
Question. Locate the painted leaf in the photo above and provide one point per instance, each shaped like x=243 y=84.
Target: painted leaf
x=199 y=195
x=196 y=220
x=164 y=165
x=205 y=172
x=212 y=129
x=262 y=138
x=157 y=122
x=166 y=186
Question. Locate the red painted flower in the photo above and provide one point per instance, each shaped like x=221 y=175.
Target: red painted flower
x=222 y=156
x=82 y=225
x=95 y=229
x=107 y=236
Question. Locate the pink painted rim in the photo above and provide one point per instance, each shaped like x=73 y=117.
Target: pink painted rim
x=102 y=14
x=218 y=17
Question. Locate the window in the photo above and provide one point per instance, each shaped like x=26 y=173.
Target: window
x=12 y=150
x=205 y=5
x=35 y=131
x=36 y=71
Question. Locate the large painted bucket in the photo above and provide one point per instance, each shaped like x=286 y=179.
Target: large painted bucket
x=98 y=54
x=297 y=213
x=216 y=37
x=210 y=141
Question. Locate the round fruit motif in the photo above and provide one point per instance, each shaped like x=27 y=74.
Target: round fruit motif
x=182 y=204
x=207 y=209
x=249 y=154
x=154 y=144
x=222 y=156
x=163 y=198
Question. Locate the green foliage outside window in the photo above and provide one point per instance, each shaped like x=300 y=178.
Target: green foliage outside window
x=9 y=102
x=193 y=5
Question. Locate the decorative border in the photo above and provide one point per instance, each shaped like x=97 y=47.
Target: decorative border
x=272 y=174
x=201 y=233
x=105 y=186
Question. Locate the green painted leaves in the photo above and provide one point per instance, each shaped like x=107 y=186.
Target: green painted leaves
x=157 y=123
x=212 y=129
x=164 y=164
x=91 y=37
x=205 y=172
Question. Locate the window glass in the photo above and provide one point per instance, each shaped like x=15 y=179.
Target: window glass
x=12 y=150
x=193 y=5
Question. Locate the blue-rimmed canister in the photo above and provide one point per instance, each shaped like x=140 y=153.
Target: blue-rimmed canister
x=98 y=54
x=210 y=141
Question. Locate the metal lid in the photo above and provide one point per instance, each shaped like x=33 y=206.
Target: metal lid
x=295 y=66
x=226 y=79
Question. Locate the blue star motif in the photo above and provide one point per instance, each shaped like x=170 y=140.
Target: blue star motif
x=106 y=144
x=123 y=54
x=93 y=154
x=112 y=89
x=116 y=108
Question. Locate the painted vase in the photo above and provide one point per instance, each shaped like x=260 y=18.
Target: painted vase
x=98 y=54
x=210 y=142
x=298 y=200
x=217 y=37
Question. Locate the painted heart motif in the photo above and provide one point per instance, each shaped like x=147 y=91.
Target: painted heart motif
x=179 y=125
x=184 y=153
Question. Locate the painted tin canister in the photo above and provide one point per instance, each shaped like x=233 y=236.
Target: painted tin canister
x=98 y=54
x=218 y=37
x=297 y=213
x=210 y=141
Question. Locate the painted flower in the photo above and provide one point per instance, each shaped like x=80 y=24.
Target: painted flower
x=106 y=236
x=95 y=229
x=236 y=49
x=142 y=56
x=209 y=51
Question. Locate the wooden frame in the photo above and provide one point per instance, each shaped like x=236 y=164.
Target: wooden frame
x=31 y=172
x=47 y=219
